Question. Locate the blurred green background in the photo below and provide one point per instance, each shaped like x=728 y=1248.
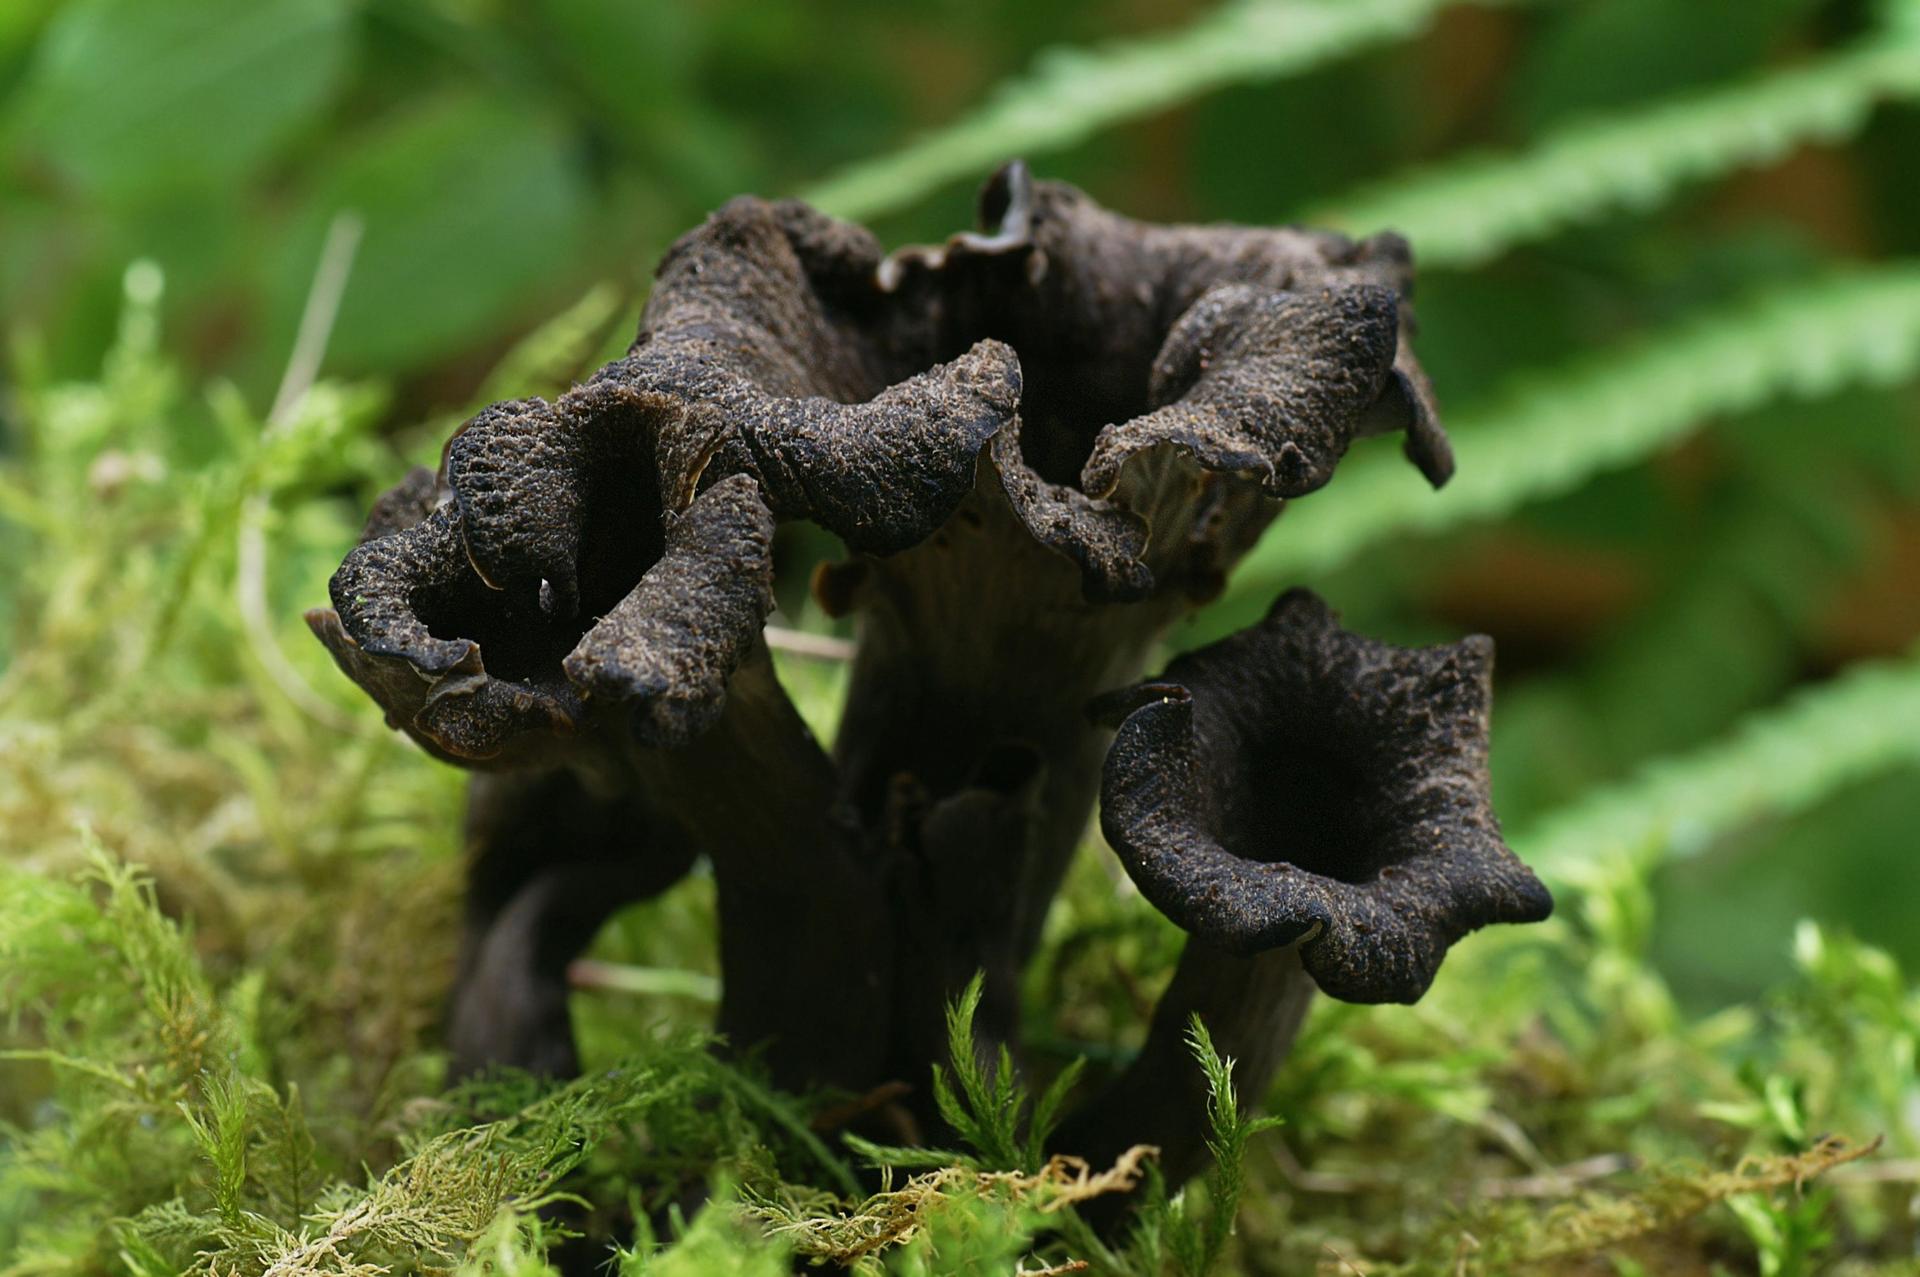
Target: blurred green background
x=505 y=160
x=1670 y=298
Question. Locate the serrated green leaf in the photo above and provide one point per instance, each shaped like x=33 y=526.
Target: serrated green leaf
x=1470 y=210
x=1776 y=763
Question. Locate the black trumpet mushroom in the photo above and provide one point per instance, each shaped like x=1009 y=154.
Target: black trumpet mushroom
x=1311 y=808
x=1041 y=443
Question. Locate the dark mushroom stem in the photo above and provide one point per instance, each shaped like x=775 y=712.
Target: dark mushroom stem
x=549 y=862
x=1041 y=442
x=804 y=929
x=1252 y=1008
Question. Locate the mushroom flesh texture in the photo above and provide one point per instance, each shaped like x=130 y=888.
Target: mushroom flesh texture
x=1041 y=443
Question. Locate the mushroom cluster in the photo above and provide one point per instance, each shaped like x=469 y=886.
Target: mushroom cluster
x=1041 y=443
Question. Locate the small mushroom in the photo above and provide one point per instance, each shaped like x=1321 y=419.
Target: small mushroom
x=1308 y=805
x=1297 y=782
x=493 y=676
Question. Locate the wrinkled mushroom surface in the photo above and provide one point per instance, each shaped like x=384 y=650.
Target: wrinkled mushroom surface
x=1297 y=782
x=862 y=392
x=1040 y=443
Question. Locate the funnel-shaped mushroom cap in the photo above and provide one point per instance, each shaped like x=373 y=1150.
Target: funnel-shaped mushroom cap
x=614 y=545
x=500 y=677
x=760 y=353
x=1297 y=782
x=1174 y=380
x=1265 y=383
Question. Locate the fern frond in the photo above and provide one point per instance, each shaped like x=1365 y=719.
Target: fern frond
x=1778 y=762
x=1171 y=1227
x=1467 y=211
x=982 y=1104
x=1555 y=431
x=1071 y=94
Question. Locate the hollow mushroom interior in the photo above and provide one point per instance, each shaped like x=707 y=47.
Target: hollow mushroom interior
x=522 y=637
x=1300 y=791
